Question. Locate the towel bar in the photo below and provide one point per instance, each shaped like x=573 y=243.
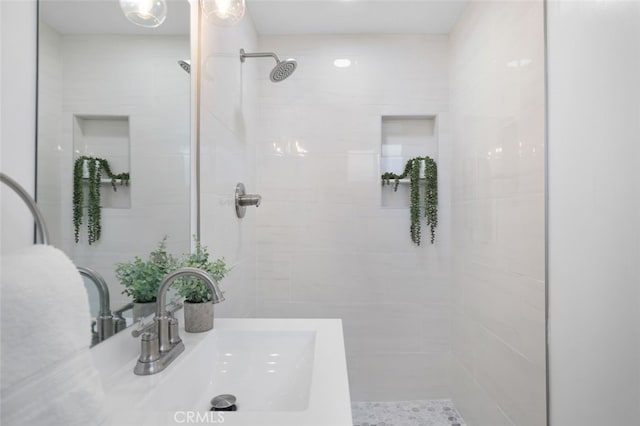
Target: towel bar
x=35 y=211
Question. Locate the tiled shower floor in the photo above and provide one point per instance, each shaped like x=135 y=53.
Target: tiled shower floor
x=434 y=412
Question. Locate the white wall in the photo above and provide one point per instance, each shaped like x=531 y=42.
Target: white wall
x=594 y=207
x=227 y=157
x=497 y=109
x=326 y=247
x=113 y=75
x=17 y=117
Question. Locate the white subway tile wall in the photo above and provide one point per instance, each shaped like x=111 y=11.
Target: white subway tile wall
x=325 y=246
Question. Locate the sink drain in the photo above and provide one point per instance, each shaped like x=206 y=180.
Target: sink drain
x=224 y=402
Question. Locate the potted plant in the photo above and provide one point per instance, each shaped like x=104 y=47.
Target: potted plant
x=414 y=168
x=90 y=169
x=198 y=306
x=141 y=278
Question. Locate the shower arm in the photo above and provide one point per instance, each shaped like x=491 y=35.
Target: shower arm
x=281 y=71
x=244 y=55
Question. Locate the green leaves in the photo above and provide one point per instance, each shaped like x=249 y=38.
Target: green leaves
x=94 y=208
x=414 y=200
x=77 y=198
x=95 y=167
x=430 y=202
x=142 y=278
x=431 y=195
x=193 y=289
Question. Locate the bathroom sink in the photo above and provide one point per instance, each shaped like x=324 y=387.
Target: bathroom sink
x=265 y=370
x=281 y=371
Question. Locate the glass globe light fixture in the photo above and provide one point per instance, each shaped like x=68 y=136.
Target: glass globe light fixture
x=224 y=12
x=145 y=13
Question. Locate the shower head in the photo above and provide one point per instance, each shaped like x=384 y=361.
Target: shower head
x=281 y=71
x=185 y=65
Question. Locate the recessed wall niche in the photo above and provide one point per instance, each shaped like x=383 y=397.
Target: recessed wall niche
x=404 y=137
x=106 y=136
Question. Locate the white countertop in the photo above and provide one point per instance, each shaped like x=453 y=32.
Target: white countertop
x=129 y=396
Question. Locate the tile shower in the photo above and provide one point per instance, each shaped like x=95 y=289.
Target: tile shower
x=581 y=39
x=420 y=323
x=327 y=245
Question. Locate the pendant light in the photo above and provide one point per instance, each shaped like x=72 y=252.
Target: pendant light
x=224 y=12
x=145 y=13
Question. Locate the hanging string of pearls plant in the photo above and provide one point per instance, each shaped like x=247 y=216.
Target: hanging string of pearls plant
x=90 y=169
x=429 y=205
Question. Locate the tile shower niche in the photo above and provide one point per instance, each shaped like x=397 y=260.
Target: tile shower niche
x=106 y=136
x=403 y=138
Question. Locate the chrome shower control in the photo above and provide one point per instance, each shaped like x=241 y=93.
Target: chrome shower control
x=243 y=200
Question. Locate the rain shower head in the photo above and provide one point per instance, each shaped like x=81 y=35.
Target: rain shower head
x=185 y=65
x=281 y=71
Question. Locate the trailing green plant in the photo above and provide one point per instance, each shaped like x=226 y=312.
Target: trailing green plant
x=142 y=278
x=414 y=203
x=193 y=289
x=95 y=168
x=429 y=207
x=431 y=195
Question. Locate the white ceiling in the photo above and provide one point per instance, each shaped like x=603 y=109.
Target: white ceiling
x=355 y=16
x=105 y=17
x=269 y=17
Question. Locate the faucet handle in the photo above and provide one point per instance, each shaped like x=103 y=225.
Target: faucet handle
x=250 y=200
x=174 y=307
x=94 y=334
x=143 y=327
x=146 y=326
x=150 y=348
x=174 y=332
x=148 y=362
x=119 y=323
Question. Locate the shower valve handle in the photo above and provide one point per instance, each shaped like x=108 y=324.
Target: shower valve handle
x=243 y=200
x=250 y=200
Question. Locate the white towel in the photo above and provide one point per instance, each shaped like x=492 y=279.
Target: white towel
x=46 y=371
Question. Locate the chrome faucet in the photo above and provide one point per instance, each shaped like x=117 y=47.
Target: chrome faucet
x=160 y=347
x=105 y=322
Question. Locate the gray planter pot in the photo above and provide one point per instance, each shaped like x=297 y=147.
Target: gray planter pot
x=198 y=317
x=141 y=310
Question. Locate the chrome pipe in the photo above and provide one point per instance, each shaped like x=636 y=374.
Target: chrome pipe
x=103 y=289
x=244 y=55
x=216 y=294
x=33 y=207
x=104 y=321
